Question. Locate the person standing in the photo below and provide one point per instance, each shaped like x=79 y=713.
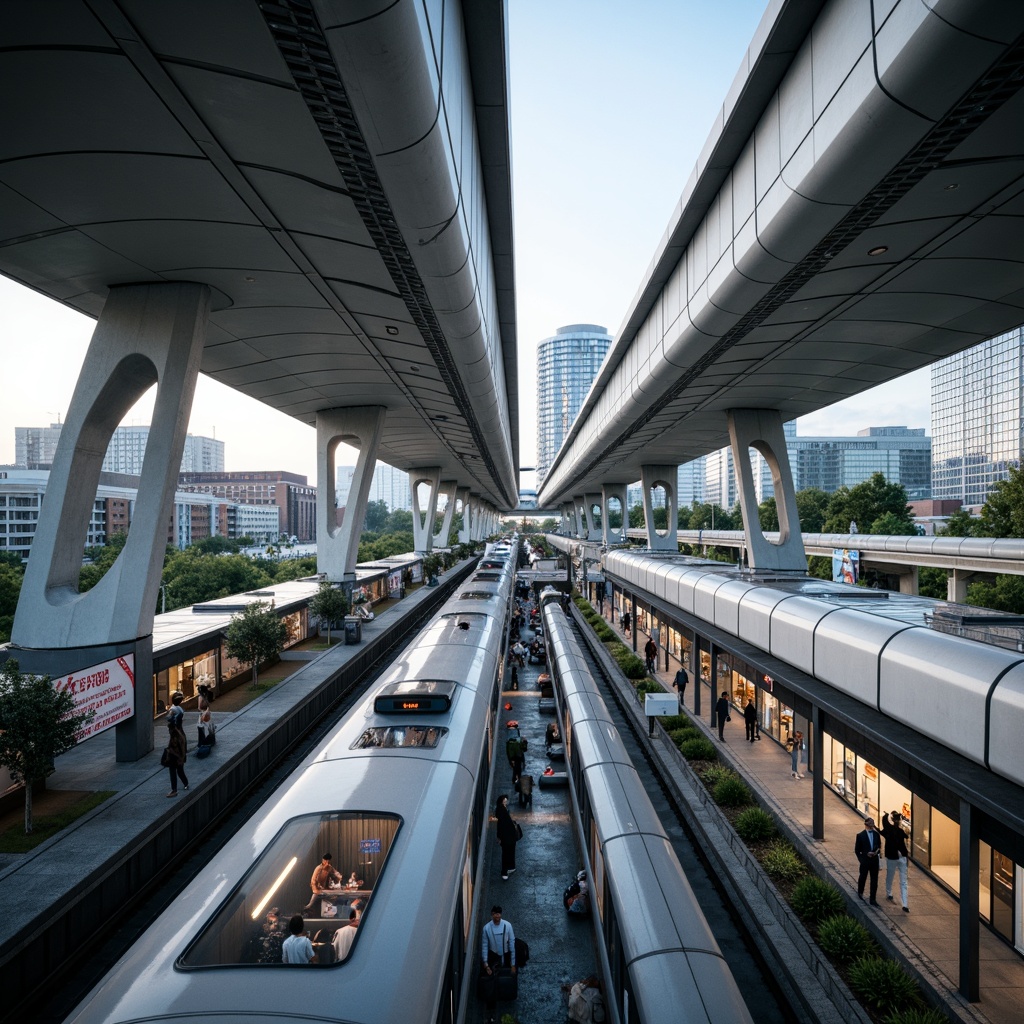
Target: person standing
x=722 y=711
x=175 y=755
x=508 y=835
x=651 y=655
x=624 y=622
x=897 y=856
x=497 y=949
x=798 y=746
x=297 y=949
x=867 y=847
x=323 y=874
x=680 y=682
x=750 y=720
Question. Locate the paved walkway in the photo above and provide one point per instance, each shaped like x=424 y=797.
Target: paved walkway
x=927 y=937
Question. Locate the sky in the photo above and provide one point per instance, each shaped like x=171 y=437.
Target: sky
x=611 y=105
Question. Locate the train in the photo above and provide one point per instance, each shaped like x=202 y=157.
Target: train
x=397 y=794
x=662 y=960
x=872 y=646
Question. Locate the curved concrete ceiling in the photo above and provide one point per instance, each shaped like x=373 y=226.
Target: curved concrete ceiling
x=855 y=215
x=338 y=173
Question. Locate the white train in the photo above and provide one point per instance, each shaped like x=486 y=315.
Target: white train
x=664 y=962
x=397 y=794
x=966 y=695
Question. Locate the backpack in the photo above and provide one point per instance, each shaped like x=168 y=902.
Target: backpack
x=522 y=953
x=513 y=748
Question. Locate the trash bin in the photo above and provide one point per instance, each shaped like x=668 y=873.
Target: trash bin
x=353 y=629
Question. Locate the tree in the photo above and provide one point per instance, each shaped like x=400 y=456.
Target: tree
x=37 y=724
x=768 y=515
x=376 y=519
x=192 y=577
x=867 y=504
x=961 y=524
x=932 y=582
x=811 y=504
x=255 y=635
x=1003 y=594
x=1002 y=515
x=10 y=590
x=636 y=517
x=329 y=605
x=399 y=521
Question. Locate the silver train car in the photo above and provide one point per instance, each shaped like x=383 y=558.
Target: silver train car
x=966 y=695
x=397 y=794
x=664 y=962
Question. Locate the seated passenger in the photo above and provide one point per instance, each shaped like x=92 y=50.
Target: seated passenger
x=297 y=949
x=345 y=936
x=353 y=882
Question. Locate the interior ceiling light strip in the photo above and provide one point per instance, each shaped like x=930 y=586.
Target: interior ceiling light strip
x=297 y=32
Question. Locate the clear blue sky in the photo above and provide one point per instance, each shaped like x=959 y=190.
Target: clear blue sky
x=611 y=105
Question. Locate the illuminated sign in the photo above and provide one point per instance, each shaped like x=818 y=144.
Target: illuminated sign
x=421 y=696
x=107 y=690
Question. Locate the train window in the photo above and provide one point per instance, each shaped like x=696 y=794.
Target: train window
x=252 y=922
x=476 y=595
x=392 y=736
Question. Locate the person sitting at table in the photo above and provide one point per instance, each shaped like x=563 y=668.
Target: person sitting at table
x=323 y=874
x=345 y=936
x=353 y=882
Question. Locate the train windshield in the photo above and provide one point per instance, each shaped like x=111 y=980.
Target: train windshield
x=319 y=872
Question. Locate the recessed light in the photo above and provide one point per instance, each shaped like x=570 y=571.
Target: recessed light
x=391 y=330
x=414 y=368
x=878 y=250
x=251 y=280
x=950 y=187
x=441 y=419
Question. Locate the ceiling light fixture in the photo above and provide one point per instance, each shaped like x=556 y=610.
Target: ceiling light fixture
x=391 y=330
x=878 y=250
x=414 y=368
x=950 y=187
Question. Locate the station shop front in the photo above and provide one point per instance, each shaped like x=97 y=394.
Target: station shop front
x=855 y=769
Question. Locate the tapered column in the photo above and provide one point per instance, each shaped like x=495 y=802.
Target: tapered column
x=666 y=478
x=614 y=534
x=147 y=334
x=970 y=904
x=424 y=511
x=337 y=546
x=595 y=528
x=761 y=429
x=447 y=490
x=462 y=499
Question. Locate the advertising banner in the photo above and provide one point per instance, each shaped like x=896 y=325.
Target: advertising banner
x=845 y=565
x=107 y=689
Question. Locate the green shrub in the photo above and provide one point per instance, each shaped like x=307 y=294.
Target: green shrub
x=680 y=736
x=755 y=824
x=632 y=666
x=843 y=939
x=815 y=899
x=671 y=722
x=732 y=792
x=883 y=984
x=645 y=686
x=782 y=863
x=716 y=772
x=603 y=630
x=916 y=1016
x=698 y=749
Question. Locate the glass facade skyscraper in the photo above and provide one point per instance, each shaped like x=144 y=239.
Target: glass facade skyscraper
x=976 y=418
x=567 y=364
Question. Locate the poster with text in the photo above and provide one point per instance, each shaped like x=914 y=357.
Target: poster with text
x=845 y=565
x=107 y=690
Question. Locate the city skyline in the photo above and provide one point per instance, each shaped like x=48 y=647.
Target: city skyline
x=582 y=223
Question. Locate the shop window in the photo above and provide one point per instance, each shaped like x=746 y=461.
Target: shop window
x=921 y=833
x=1002 y=895
x=945 y=850
x=867 y=789
x=985 y=882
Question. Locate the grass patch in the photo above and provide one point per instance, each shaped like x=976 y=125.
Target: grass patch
x=14 y=840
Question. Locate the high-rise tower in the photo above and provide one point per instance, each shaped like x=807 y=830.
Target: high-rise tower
x=567 y=364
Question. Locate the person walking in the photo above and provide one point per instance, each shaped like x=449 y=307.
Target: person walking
x=497 y=949
x=795 y=752
x=867 y=847
x=722 y=713
x=680 y=683
x=175 y=755
x=624 y=622
x=750 y=720
x=508 y=836
x=897 y=856
x=651 y=655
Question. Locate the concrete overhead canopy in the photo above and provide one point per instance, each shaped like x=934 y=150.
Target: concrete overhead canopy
x=853 y=216
x=350 y=212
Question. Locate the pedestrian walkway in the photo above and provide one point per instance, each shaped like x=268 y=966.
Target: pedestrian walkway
x=547 y=859
x=927 y=937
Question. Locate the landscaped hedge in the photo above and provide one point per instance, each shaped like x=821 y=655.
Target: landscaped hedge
x=814 y=899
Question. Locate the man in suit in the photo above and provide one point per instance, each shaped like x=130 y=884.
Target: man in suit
x=868 y=847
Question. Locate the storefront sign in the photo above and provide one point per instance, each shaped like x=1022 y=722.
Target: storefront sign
x=369 y=846
x=108 y=690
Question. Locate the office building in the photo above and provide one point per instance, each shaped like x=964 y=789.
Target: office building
x=690 y=482
x=567 y=364
x=290 y=492
x=977 y=418
x=35 y=448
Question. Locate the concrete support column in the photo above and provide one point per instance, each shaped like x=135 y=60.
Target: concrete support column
x=447 y=489
x=147 y=334
x=595 y=529
x=423 y=517
x=337 y=546
x=970 y=904
x=817 y=776
x=614 y=535
x=462 y=498
x=909 y=580
x=566 y=526
x=761 y=429
x=579 y=512
x=665 y=477
x=956 y=584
